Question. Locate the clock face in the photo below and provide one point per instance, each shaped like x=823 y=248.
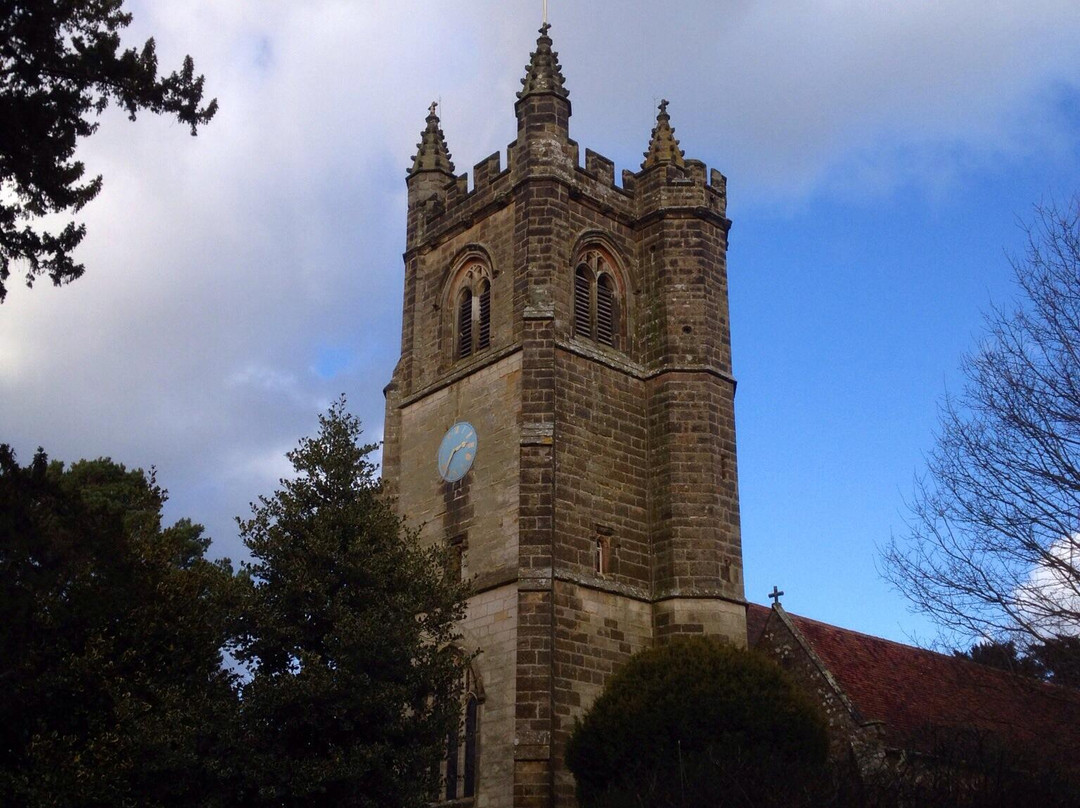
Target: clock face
x=456 y=452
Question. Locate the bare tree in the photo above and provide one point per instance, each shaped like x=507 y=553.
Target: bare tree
x=993 y=546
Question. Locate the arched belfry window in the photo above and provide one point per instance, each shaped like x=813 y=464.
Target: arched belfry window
x=596 y=299
x=462 y=746
x=472 y=309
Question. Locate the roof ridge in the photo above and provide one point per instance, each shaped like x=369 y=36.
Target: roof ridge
x=951 y=658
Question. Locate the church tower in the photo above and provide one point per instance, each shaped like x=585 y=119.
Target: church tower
x=562 y=416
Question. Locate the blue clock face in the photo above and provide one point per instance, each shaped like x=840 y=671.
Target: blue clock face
x=456 y=452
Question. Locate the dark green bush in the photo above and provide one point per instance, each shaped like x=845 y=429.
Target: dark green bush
x=699 y=723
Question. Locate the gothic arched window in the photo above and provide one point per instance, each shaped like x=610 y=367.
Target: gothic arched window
x=596 y=299
x=462 y=747
x=472 y=310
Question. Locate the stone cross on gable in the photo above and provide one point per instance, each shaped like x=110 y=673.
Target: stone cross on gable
x=775 y=595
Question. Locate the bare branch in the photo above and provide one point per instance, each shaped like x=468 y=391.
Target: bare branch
x=994 y=529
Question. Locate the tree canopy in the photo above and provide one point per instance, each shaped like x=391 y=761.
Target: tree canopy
x=1054 y=660
x=111 y=630
x=61 y=62
x=695 y=722
x=347 y=633
x=993 y=545
x=343 y=683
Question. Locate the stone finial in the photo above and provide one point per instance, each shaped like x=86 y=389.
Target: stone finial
x=663 y=147
x=432 y=154
x=543 y=74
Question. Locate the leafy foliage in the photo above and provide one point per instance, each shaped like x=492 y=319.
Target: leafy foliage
x=60 y=61
x=111 y=630
x=1004 y=656
x=994 y=537
x=346 y=633
x=1059 y=660
x=695 y=722
x=1055 y=660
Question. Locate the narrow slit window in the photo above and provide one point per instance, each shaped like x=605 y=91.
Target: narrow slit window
x=605 y=310
x=583 y=302
x=469 y=775
x=461 y=766
x=483 y=338
x=455 y=557
x=465 y=323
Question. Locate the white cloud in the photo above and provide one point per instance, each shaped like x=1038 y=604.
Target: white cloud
x=1050 y=598
x=220 y=266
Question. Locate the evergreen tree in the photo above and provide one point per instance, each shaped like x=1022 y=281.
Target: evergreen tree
x=347 y=634
x=60 y=61
x=111 y=630
x=1002 y=655
x=695 y=722
x=1059 y=659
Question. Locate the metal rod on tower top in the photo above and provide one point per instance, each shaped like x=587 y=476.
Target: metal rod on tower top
x=545 y=12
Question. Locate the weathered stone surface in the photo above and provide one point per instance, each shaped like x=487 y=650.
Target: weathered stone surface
x=582 y=444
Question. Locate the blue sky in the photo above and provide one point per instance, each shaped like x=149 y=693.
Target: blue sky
x=880 y=159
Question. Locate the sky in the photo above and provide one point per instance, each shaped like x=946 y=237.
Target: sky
x=881 y=161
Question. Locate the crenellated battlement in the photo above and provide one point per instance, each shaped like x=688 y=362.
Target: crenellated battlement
x=441 y=202
x=456 y=200
x=600 y=167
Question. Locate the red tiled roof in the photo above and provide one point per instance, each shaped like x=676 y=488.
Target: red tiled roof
x=917 y=693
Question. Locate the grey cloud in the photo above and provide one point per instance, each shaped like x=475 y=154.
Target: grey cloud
x=218 y=267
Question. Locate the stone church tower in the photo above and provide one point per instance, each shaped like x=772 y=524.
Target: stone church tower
x=562 y=416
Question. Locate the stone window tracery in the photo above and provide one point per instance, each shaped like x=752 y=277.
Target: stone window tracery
x=597 y=310
x=472 y=309
x=462 y=748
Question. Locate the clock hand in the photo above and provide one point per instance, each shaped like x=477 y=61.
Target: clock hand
x=453 y=452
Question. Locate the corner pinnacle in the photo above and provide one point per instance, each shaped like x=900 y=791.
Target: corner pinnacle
x=663 y=147
x=432 y=153
x=543 y=74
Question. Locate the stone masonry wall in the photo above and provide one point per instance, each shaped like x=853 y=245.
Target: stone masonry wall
x=595 y=633
x=483 y=505
x=491 y=627
x=602 y=462
x=778 y=642
x=433 y=333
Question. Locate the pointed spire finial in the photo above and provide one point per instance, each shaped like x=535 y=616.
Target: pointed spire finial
x=543 y=74
x=431 y=151
x=663 y=147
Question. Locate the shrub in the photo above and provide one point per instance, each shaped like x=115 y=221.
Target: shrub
x=696 y=722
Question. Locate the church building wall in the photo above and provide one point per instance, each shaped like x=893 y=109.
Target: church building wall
x=434 y=311
x=600 y=514
x=601 y=457
x=483 y=507
x=596 y=631
x=491 y=627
